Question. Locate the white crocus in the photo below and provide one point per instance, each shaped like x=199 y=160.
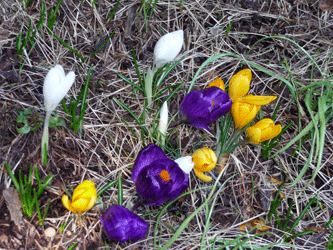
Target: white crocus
x=166 y=50
x=163 y=125
x=185 y=163
x=56 y=86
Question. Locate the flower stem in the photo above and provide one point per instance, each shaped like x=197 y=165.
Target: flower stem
x=45 y=138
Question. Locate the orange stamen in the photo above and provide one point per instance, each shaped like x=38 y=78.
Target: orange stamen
x=213 y=102
x=164 y=175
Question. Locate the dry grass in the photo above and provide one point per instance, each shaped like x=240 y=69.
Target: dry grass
x=107 y=145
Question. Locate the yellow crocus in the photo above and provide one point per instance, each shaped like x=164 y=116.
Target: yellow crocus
x=262 y=131
x=84 y=197
x=204 y=160
x=245 y=107
x=218 y=82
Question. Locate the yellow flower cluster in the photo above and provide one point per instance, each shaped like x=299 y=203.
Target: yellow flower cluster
x=245 y=107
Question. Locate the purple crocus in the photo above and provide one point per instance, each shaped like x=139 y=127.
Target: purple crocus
x=199 y=108
x=120 y=224
x=157 y=178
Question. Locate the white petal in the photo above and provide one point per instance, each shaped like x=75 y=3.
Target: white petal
x=185 y=163
x=56 y=86
x=168 y=47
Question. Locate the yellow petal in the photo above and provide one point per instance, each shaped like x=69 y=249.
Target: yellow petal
x=80 y=205
x=201 y=176
x=67 y=203
x=239 y=84
x=274 y=131
x=218 y=82
x=257 y=100
x=253 y=135
x=243 y=113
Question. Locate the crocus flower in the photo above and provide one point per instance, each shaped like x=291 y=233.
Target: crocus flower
x=56 y=86
x=163 y=125
x=204 y=160
x=168 y=47
x=120 y=224
x=166 y=50
x=199 y=108
x=245 y=108
x=84 y=197
x=262 y=131
x=157 y=178
x=185 y=163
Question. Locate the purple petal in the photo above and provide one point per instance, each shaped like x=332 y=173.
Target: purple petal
x=146 y=156
x=120 y=224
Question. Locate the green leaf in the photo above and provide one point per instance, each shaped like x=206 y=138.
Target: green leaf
x=24 y=130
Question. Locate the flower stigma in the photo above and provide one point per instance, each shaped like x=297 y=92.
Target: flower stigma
x=165 y=175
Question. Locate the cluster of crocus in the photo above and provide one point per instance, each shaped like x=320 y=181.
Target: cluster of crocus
x=157 y=178
x=56 y=86
x=120 y=224
x=84 y=197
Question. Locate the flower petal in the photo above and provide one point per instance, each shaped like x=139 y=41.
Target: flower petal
x=146 y=156
x=239 y=84
x=202 y=176
x=218 y=82
x=243 y=113
x=257 y=100
x=185 y=163
x=67 y=203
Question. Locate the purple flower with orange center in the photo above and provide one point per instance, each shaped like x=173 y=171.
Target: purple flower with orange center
x=157 y=178
x=200 y=108
x=120 y=224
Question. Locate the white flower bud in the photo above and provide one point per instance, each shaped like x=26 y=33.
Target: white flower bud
x=163 y=125
x=56 y=86
x=185 y=163
x=167 y=48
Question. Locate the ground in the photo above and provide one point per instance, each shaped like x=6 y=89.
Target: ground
x=286 y=44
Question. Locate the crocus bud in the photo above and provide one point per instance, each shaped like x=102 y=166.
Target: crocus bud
x=185 y=163
x=167 y=48
x=204 y=160
x=56 y=86
x=163 y=125
x=84 y=197
x=120 y=224
x=262 y=131
x=243 y=113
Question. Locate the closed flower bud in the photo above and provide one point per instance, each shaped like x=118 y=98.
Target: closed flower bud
x=56 y=86
x=163 y=125
x=120 y=224
x=204 y=160
x=167 y=48
x=262 y=131
x=84 y=197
